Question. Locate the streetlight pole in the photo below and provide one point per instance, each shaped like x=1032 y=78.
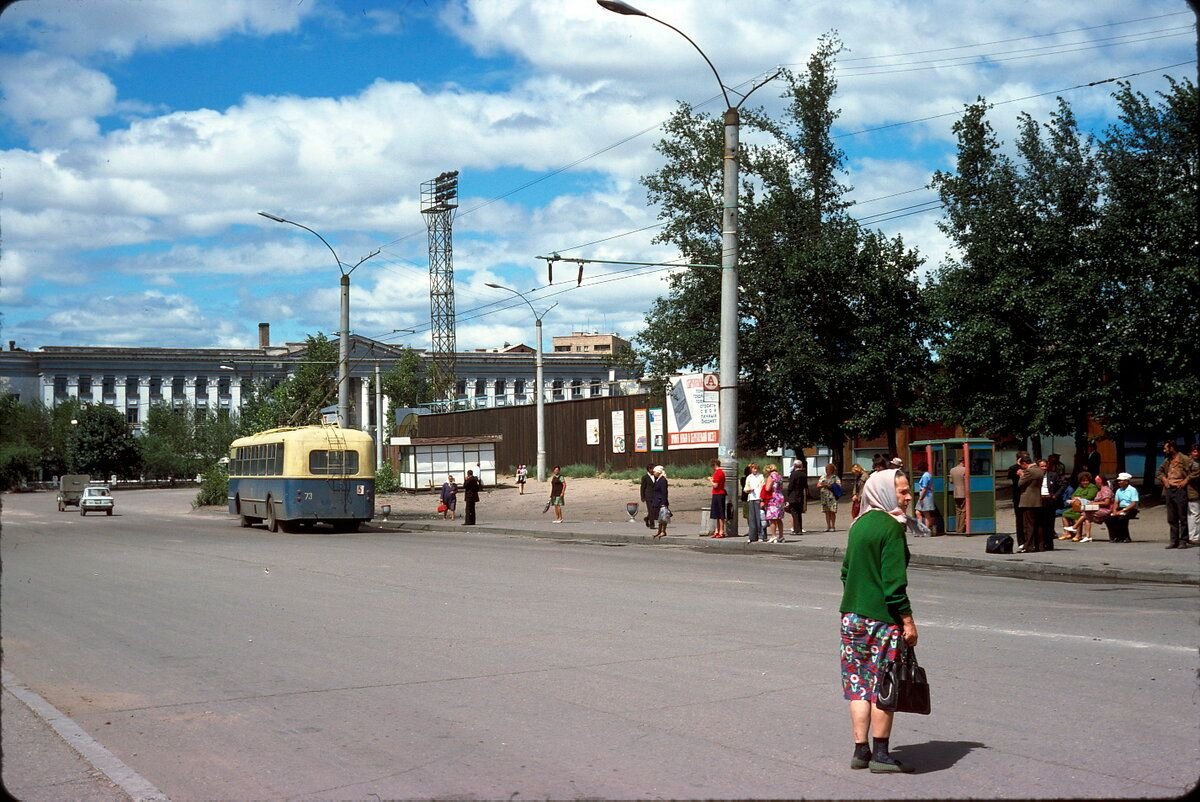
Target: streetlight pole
x=343 y=409
x=541 y=401
x=728 y=357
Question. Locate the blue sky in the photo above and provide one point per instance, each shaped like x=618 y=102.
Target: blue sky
x=138 y=139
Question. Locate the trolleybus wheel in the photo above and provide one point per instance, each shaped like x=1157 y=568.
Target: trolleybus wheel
x=272 y=523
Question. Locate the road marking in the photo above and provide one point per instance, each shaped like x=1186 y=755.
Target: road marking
x=1028 y=633
x=125 y=778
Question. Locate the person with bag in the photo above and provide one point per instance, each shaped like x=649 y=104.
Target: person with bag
x=856 y=490
x=830 y=486
x=876 y=613
x=558 y=494
x=772 y=499
x=647 y=485
x=658 y=501
x=449 y=498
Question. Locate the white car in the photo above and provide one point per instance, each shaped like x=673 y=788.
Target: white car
x=96 y=499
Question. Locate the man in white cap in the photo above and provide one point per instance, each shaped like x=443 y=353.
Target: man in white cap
x=1125 y=507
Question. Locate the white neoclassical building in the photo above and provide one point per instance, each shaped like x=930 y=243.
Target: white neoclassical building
x=133 y=379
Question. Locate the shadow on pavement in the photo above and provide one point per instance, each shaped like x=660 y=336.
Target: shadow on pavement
x=935 y=755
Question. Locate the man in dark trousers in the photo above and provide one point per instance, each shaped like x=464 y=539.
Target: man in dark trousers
x=797 y=493
x=1029 y=481
x=647 y=489
x=1014 y=476
x=471 y=497
x=1175 y=473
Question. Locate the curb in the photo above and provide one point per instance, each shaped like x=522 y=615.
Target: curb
x=1004 y=565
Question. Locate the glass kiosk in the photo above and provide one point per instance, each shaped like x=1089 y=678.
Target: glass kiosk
x=979 y=458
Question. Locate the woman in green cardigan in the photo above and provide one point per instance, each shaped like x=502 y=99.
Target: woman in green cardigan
x=876 y=612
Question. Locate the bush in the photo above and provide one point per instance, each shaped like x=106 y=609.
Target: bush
x=386 y=480
x=214 y=487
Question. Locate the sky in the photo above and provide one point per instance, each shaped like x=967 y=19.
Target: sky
x=140 y=138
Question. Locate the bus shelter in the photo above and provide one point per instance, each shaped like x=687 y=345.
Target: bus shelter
x=425 y=462
x=978 y=456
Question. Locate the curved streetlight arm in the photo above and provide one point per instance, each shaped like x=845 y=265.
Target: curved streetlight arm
x=315 y=234
x=521 y=295
x=618 y=7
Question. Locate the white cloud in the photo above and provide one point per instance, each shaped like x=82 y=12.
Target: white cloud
x=52 y=100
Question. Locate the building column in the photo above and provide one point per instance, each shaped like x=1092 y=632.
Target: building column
x=119 y=394
x=235 y=394
x=189 y=390
x=143 y=399
x=47 y=391
x=98 y=389
x=364 y=402
x=214 y=395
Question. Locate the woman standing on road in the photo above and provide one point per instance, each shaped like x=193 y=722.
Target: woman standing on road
x=658 y=500
x=450 y=497
x=772 y=494
x=876 y=613
x=752 y=489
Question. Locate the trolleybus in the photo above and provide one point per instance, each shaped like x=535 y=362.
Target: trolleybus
x=294 y=477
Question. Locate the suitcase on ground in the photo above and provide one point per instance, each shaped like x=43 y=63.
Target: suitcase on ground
x=999 y=544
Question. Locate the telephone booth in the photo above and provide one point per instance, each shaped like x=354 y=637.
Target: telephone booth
x=978 y=457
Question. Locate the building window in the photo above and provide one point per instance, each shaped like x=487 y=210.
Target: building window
x=501 y=386
x=577 y=388
x=519 y=389
x=108 y=387
x=460 y=388
x=480 y=387
x=85 y=388
x=177 y=385
x=562 y=348
x=223 y=387
x=60 y=387
x=156 y=388
x=556 y=389
x=603 y=347
x=131 y=388
x=596 y=388
x=131 y=415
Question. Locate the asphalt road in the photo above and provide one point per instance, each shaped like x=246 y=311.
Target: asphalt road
x=220 y=662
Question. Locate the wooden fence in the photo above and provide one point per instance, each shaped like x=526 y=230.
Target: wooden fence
x=566 y=434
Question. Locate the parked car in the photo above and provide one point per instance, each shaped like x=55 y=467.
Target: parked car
x=70 y=488
x=95 y=499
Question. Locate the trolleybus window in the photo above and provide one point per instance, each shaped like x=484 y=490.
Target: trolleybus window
x=332 y=462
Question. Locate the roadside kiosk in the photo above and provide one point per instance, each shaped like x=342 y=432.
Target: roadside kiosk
x=979 y=459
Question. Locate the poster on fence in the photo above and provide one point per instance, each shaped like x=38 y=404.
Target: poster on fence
x=657 y=438
x=618 y=431
x=693 y=412
x=641 y=436
x=593 y=431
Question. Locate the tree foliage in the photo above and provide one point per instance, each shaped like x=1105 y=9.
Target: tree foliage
x=404 y=383
x=100 y=444
x=298 y=399
x=179 y=441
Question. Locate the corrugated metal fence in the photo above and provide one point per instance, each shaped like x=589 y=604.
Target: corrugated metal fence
x=566 y=433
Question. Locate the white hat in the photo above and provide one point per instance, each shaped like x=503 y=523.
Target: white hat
x=897 y=462
x=1124 y=476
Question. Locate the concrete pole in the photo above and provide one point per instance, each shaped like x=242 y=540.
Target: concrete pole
x=380 y=430
x=343 y=410
x=728 y=366
x=541 y=407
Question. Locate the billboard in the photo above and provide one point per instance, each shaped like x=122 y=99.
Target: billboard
x=693 y=411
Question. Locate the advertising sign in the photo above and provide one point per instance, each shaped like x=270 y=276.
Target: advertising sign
x=657 y=426
x=641 y=435
x=593 y=431
x=693 y=412
x=618 y=431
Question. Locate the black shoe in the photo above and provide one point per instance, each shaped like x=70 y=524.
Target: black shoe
x=1183 y=544
x=889 y=766
x=1174 y=546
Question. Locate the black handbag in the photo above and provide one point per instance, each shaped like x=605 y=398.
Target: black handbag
x=902 y=686
x=999 y=544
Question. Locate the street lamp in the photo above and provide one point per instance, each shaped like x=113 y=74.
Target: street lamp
x=343 y=409
x=541 y=408
x=728 y=358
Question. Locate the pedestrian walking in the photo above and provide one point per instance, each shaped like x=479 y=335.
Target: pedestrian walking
x=876 y=614
x=1194 y=499
x=772 y=495
x=829 y=496
x=716 y=512
x=752 y=489
x=925 y=503
x=958 y=484
x=1175 y=474
x=647 y=485
x=659 y=501
x=522 y=475
x=450 y=498
x=558 y=493
x=471 y=487
x=797 y=493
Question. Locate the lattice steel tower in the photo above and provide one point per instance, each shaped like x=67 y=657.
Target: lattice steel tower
x=439 y=200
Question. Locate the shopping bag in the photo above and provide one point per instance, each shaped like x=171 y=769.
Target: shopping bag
x=902 y=686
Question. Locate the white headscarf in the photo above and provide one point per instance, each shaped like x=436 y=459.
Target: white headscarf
x=879 y=493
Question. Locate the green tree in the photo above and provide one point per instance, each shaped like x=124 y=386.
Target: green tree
x=101 y=444
x=1147 y=241
x=24 y=433
x=404 y=383
x=167 y=446
x=298 y=399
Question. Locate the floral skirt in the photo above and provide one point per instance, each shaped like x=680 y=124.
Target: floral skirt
x=866 y=644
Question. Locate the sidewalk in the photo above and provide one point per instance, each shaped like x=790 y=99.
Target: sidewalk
x=1144 y=560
